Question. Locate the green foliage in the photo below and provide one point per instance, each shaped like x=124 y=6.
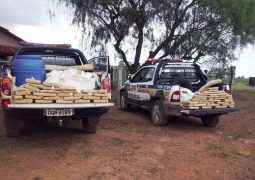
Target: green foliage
x=242 y=86
x=196 y=28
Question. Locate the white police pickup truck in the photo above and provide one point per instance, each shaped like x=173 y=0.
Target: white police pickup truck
x=156 y=87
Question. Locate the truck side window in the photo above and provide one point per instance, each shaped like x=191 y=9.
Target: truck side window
x=144 y=75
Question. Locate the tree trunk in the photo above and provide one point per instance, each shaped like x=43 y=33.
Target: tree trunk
x=232 y=79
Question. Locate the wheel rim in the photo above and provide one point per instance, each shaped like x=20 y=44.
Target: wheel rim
x=156 y=113
x=122 y=101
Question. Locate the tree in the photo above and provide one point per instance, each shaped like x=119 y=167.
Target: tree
x=196 y=28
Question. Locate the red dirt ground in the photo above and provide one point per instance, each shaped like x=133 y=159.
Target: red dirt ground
x=128 y=146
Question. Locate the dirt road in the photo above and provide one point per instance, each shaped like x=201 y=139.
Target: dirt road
x=128 y=146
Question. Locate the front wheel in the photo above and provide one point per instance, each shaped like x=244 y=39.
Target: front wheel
x=124 y=105
x=210 y=121
x=89 y=125
x=158 y=116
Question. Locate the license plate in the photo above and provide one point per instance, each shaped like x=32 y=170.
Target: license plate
x=59 y=112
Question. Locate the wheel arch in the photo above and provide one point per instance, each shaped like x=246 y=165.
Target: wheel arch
x=159 y=95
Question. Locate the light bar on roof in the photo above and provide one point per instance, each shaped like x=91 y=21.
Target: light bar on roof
x=154 y=61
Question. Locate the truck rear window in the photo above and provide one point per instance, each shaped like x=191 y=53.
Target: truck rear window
x=60 y=60
x=171 y=73
x=51 y=56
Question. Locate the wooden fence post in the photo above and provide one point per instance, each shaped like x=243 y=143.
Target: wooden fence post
x=232 y=79
x=119 y=80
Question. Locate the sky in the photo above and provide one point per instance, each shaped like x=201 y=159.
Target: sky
x=47 y=21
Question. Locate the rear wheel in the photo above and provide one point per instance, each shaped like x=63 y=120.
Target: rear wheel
x=158 y=116
x=124 y=105
x=210 y=121
x=11 y=125
x=89 y=125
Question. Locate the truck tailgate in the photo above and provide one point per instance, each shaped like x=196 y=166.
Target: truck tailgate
x=58 y=106
x=206 y=112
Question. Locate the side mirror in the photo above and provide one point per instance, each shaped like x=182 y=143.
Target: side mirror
x=205 y=71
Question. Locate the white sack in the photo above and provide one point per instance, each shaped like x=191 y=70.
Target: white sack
x=73 y=77
x=185 y=94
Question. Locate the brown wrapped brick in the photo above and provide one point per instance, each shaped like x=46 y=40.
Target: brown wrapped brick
x=43 y=101
x=21 y=89
x=100 y=101
x=22 y=93
x=102 y=91
x=34 y=89
x=56 y=85
x=65 y=94
x=33 y=97
x=52 y=98
x=23 y=101
x=100 y=95
x=47 y=91
x=44 y=94
x=17 y=97
x=33 y=81
x=72 y=98
x=105 y=98
x=79 y=94
x=81 y=101
x=48 y=88
x=64 y=102
x=90 y=97
x=39 y=86
x=67 y=88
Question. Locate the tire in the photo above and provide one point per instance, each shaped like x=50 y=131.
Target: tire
x=210 y=121
x=158 y=116
x=89 y=125
x=124 y=105
x=11 y=125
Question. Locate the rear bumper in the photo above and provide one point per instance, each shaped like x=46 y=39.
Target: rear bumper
x=208 y=112
x=175 y=110
x=36 y=111
x=172 y=109
x=59 y=106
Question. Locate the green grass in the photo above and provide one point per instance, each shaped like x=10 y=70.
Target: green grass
x=242 y=86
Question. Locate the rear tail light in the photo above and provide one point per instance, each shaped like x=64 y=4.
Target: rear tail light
x=5 y=103
x=6 y=86
x=106 y=85
x=175 y=96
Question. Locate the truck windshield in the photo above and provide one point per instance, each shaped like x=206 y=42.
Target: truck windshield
x=171 y=73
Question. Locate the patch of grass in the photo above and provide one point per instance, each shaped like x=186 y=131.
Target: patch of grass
x=242 y=86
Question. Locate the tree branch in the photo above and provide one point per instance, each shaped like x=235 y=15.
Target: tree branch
x=177 y=22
